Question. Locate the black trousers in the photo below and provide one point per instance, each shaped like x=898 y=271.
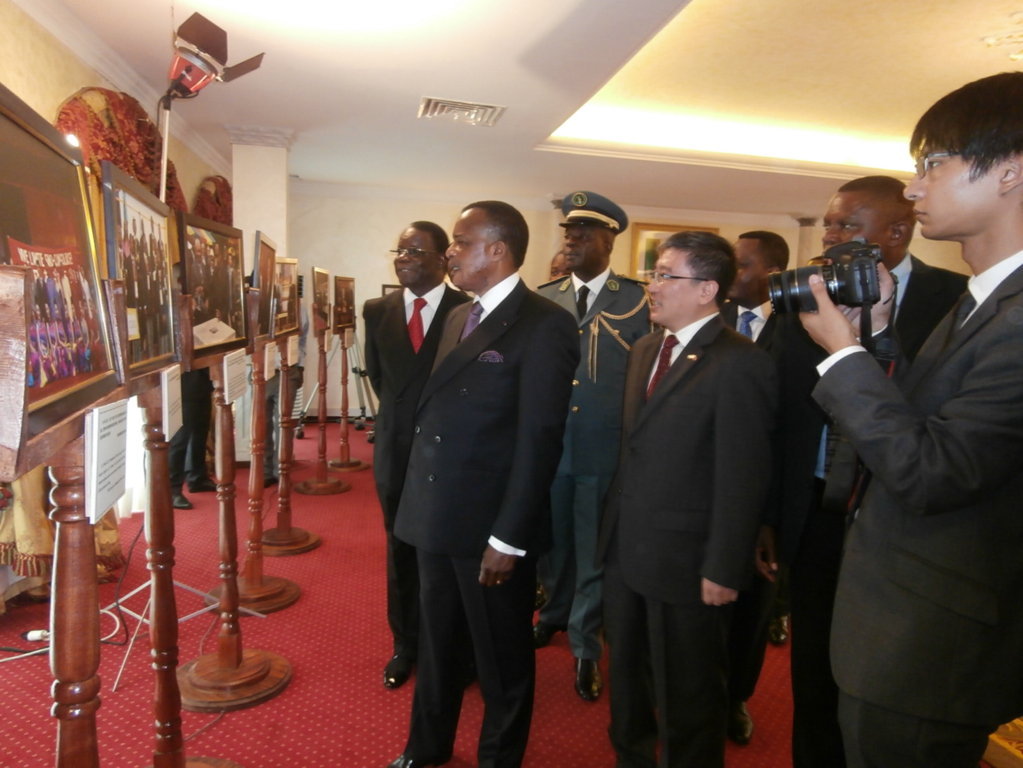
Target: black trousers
x=500 y=623
x=187 y=452
x=816 y=737
x=668 y=678
x=747 y=637
x=402 y=585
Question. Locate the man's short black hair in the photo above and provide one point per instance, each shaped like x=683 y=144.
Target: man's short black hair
x=436 y=233
x=710 y=257
x=773 y=248
x=509 y=226
x=884 y=189
x=982 y=122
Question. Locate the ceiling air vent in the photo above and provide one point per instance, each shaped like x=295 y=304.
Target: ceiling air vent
x=461 y=111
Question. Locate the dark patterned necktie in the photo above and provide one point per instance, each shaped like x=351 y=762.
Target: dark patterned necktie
x=663 y=364
x=746 y=323
x=472 y=320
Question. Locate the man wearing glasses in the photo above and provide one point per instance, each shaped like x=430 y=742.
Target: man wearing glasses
x=402 y=331
x=683 y=510
x=818 y=466
x=928 y=621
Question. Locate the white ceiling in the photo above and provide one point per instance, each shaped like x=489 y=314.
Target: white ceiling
x=348 y=86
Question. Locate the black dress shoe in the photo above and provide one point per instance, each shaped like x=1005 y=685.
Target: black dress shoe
x=588 y=682
x=403 y=761
x=778 y=630
x=203 y=486
x=178 y=501
x=543 y=632
x=268 y=481
x=541 y=596
x=740 y=724
x=397 y=671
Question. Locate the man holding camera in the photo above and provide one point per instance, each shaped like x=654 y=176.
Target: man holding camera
x=819 y=467
x=928 y=622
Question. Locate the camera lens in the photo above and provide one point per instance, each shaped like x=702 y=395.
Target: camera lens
x=790 y=291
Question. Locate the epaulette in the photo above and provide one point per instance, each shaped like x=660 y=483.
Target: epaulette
x=565 y=279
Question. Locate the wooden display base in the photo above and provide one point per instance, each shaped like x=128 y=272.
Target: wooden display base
x=354 y=465
x=293 y=541
x=272 y=594
x=1005 y=746
x=321 y=488
x=207 y=687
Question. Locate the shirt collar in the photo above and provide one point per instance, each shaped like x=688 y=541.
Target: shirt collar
x=983 y=285
x=595 y=285
x=432 y=296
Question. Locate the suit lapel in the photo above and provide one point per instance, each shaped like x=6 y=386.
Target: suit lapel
x=453 y=355
x=684 y=363
x=945 y=340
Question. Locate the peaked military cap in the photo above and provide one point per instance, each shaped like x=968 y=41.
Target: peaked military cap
x=590 y=208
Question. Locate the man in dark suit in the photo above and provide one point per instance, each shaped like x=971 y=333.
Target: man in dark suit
x=876 y=208
x=818 y=466
x=928 y=621
x=476 y=500
x=612 y=313
x=679 y=526
x=402 y=333
x=758 y=254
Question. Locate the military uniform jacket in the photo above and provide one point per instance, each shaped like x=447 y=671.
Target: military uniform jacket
x=618 y=316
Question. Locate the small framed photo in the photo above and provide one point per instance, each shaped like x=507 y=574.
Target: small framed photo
x=140 y=253
x=647 y=237
x=321 y=298
x=387 y=288
x=45 y=228
x=212 y=256
x=344 y=303
x=263 y=270
x=285 y=297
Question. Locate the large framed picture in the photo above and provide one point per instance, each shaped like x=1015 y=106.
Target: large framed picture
x=263 y=269
x=139 y=253
x=344 y=303
x=45 y=227
x=645 y=240
x=285 y=297
x=321 y=297
x=212 y=256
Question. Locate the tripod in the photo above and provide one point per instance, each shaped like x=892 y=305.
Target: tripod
x=362 y=388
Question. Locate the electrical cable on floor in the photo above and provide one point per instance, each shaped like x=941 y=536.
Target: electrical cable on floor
x=210 y=724
x=117 y=591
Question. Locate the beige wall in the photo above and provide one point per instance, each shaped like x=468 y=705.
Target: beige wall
x=43 y=73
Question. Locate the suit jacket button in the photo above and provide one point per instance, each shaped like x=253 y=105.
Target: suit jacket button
x=575 y=409
x=463 y=392
x=418 y=429
x=436 y=438
x=431 y=478
x=575 y=382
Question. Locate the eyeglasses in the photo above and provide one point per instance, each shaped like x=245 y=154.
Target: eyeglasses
x=658 y=278
x=412 y=253
x=930 y=161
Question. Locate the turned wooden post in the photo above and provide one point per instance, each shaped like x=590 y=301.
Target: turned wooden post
x=345 y=463
x=323 y=485
x=74 y=614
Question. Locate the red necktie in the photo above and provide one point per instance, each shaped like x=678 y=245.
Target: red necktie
x=663 y=363
x=415 y=324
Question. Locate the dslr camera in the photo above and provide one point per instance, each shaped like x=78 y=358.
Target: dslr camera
x=849 y=271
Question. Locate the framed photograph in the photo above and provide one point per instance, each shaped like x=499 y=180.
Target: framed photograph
x=645 y=240
x=139 y=253
x=212 y=257
x=285 y=297
x=387 y=288
x=46 y=228
x=321 y=298
x=344 y=303
x=263 y=278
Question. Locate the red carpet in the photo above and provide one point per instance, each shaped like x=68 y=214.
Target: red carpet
x=335 y=713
